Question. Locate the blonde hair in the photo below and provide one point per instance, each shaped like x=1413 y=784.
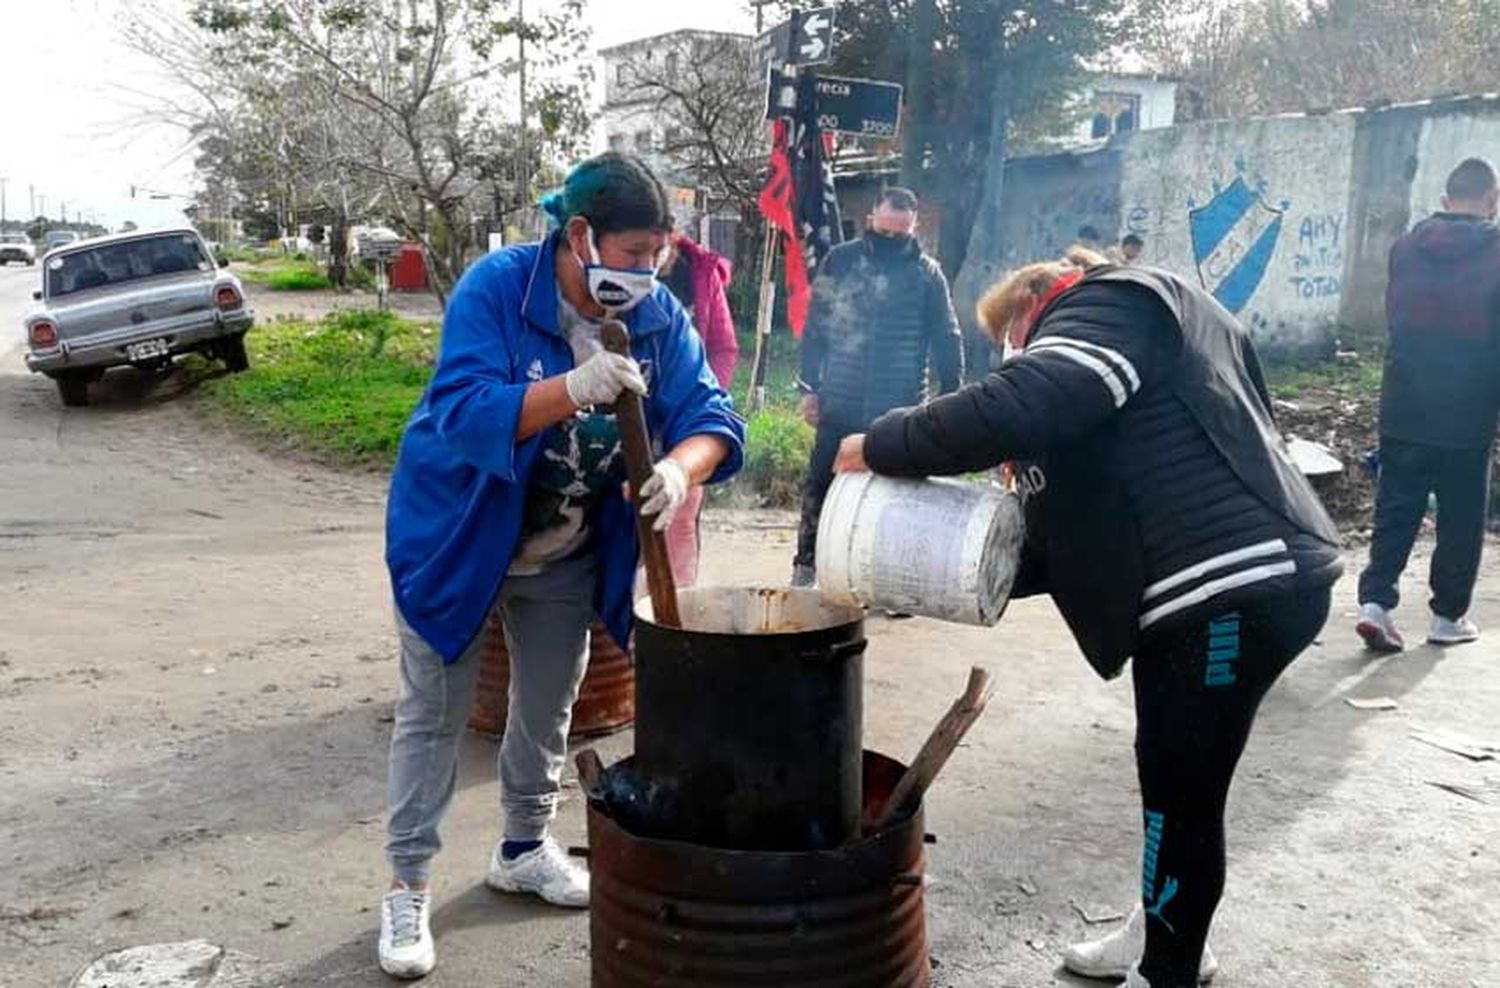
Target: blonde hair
x=1014 y=296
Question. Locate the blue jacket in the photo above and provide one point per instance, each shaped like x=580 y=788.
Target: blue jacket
x=454 y=516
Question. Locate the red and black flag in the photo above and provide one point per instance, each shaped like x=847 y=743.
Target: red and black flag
x=799 y=198
x=817 y=201
x=778 y=206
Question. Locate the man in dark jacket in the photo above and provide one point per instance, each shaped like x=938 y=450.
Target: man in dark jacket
x=1438 y=405
x=881 y=315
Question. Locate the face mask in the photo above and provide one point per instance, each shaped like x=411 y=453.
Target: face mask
x=616 y=289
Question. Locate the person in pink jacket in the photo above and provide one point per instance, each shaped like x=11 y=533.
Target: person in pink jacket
x=700 y=279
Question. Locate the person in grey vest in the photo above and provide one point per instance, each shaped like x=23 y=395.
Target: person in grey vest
x=1171 y=528
x=881 y=318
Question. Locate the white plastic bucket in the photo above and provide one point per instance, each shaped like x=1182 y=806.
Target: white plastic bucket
x=943 y=549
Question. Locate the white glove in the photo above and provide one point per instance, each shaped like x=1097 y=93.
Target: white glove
x=601 y=379
x=664 y=493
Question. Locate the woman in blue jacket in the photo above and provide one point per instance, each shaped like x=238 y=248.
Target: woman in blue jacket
x=508 y=493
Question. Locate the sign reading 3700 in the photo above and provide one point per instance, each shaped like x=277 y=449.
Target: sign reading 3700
x=865 y=107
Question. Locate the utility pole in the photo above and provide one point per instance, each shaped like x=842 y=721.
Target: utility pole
x=43 y=200
x=523 y=170
x=767 y=303
x=760 y=14
x=3 y=180
x=31 y=190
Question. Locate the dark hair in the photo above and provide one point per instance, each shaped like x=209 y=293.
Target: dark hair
x=614 y=192
x=1132 y=240
x=1472 y=180
x=1088 y=233
x=897 y=197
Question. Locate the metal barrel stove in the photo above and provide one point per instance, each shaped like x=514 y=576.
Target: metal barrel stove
x=749 y=719
x=668 y=914
x=606 y=698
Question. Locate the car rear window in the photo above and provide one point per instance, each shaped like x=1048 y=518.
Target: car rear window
x=111 y=264
x=12 y=238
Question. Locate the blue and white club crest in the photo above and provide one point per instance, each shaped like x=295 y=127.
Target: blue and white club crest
x=1234 y=238
x=535 y=372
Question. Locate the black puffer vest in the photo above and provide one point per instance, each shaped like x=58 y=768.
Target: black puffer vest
x=1185 y=500
x=878 y=298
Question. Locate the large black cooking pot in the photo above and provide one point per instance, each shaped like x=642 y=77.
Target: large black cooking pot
x=749 y=721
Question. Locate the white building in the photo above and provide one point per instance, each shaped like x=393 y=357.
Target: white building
x=639 y=118
x=1119 y=104
x=631 y=119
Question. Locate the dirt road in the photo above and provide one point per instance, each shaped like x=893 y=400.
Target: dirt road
x=196 y=673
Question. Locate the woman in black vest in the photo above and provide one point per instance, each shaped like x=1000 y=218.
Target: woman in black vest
x=1169 y=525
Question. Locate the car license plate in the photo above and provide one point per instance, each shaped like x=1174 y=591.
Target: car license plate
x=147 y=350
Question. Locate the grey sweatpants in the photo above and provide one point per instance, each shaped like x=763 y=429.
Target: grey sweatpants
x=547 y=619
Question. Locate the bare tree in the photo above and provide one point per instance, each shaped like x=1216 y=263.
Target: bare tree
x=402 y=97
x=710 y=90
x=1267 y=56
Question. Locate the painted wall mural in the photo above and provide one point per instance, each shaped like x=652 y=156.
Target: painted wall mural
x=1234 y=237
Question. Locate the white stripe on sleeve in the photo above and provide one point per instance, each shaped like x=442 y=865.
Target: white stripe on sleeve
x=1117 y=359
x=1083 y=358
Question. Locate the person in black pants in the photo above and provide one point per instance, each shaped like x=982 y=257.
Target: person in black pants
x=1197 y=688
x=1438 y=405
x=880 y=318
x=1172 y=530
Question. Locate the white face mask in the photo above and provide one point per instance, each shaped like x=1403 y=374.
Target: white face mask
x=617 y=289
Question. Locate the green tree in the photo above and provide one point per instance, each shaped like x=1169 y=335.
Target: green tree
x=975 y=69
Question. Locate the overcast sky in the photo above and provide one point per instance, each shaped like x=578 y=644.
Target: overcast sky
x=71 y=132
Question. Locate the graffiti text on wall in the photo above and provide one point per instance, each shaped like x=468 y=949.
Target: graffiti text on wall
x=1234 y=237
x=1318 y=265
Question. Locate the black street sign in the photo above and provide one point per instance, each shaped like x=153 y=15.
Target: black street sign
x=865 y=107
x=806 y=39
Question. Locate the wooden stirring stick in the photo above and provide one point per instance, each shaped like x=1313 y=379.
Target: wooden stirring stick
x=630 y=414
x=940 y=744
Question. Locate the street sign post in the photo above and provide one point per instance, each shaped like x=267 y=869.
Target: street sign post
x=806 y=39
x=865 y=107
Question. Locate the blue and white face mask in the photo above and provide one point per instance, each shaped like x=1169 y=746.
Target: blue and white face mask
x=618 y=289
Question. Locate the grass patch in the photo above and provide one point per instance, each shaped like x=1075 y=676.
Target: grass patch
x=777 y=447
x=247 y=255
x=340 y=389
x=286 y=275
x=1356 y=375
x=298 y=280
x=359 y=276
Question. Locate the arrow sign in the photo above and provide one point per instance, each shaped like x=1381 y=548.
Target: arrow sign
x=817 y=36
x=866 y=107
x=806 y=39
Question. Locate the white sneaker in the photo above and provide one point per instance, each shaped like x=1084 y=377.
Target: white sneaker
x=1378 y=629
x=1116 y=955
x=547 y=871
x=1453 y=631
x=406 y=949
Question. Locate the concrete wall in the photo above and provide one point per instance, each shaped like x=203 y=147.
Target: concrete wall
x=1287 y=220
x=1256 y=212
